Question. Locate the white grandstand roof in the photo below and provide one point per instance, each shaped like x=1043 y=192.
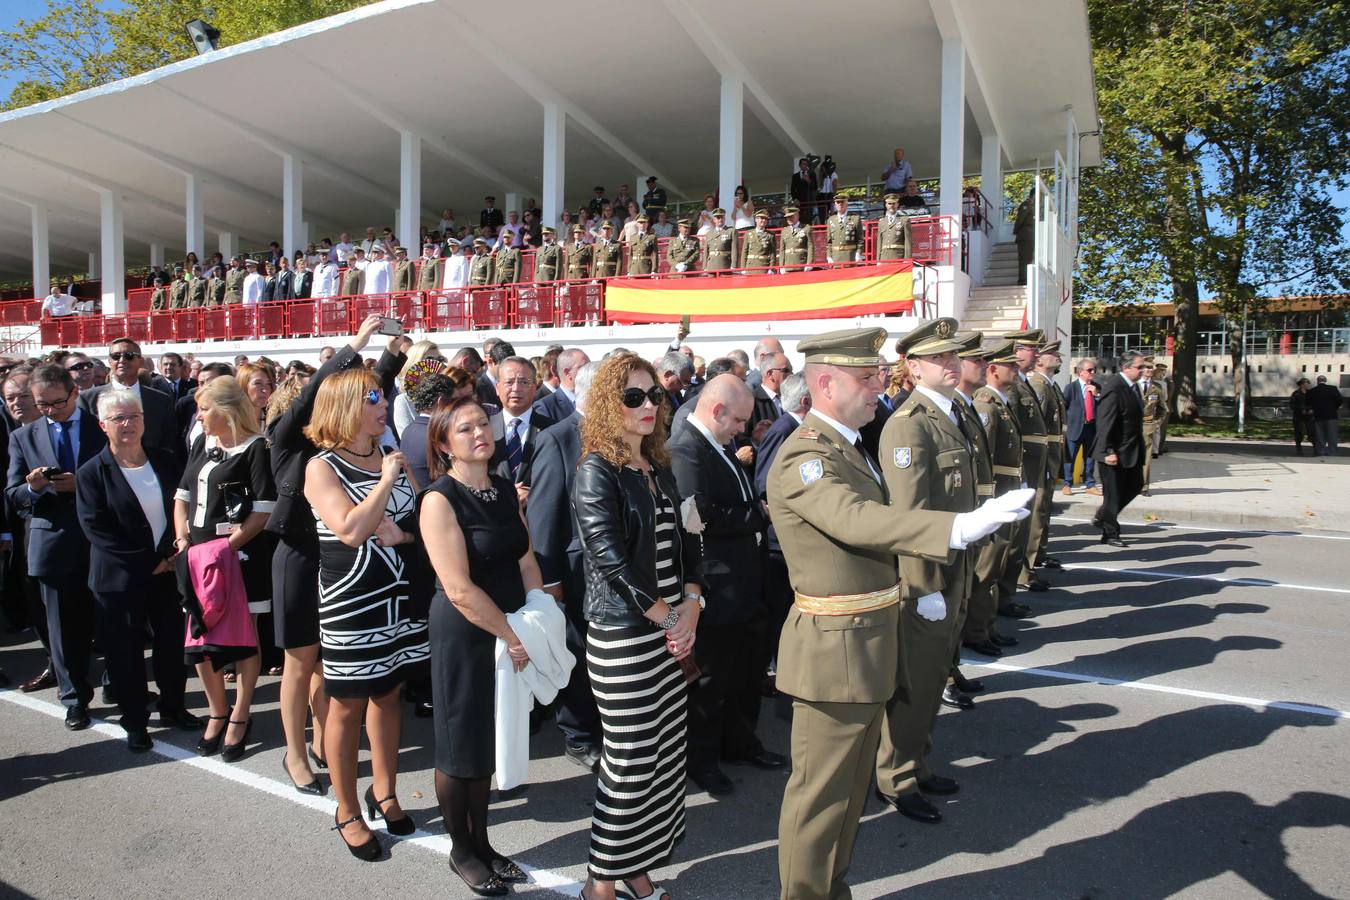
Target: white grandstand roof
x=639 y=82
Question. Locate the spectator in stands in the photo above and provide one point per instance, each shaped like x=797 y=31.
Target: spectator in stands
x=176 y=379
x=624 y=205
x=674 y=372
x=342 y=249
x=510 y=232
x=447 y=222
x=274 y=254
x=705 y=215
x=562 y=402
x=370 y=242
x=912 y=202
x=490 y=217
x=804 y=188
x=1325 y=401
x=529 y=228
x=598 y=201
x=283 y=280
x=565 y=222
x=302 y=282
x=81 y=369
x=325 y=279
x=663 y=228
x=897 y=174
x=58 y=304
x=520 y=424
x=254 y=284
x=742 y=209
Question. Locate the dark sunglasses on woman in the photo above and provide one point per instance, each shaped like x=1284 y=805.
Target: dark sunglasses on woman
x=633 y=397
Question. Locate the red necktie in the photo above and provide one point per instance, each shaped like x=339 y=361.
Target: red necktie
x=1088 y=410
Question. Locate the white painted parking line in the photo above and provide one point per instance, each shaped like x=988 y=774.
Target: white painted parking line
x=1165 y=575
x=1181 y=526
x=436 y=843
x=1311 y=709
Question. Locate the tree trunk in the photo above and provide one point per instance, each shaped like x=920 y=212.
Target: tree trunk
x=1235 y=327
x=1186 y=298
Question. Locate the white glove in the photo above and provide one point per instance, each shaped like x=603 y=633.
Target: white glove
x=681 y=267
x=932 y=607
x=539 y=595
x=991 y=515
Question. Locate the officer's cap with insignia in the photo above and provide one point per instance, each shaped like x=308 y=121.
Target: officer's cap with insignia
x=642 y=218
x=970 y=343
x=478 y=240
x=931 y=338
x=251 y=262
x=400 y=249
x=1050 y=347
x=892 y=196
x=1029 y=337
x=450 y=242
x=1004 y=351
x=719 y=211
x=851 y=347
x=651 y=179
x=577 y=229
x=1159 y=368
x=607 y=224
x=547 y=230
x=684 y=223
x=761 y=214
x=790 y=210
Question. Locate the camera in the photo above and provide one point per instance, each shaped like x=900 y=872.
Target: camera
x=812 y=160
x=827 y=165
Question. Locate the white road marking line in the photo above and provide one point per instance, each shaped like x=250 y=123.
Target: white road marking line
x=1164 y=575
x=1327 y=711
x=1180 y=526
x=436 y=843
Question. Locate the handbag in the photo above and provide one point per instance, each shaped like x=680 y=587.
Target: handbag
x=238 y=501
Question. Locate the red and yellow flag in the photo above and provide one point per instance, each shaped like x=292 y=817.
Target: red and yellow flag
x=884 y=288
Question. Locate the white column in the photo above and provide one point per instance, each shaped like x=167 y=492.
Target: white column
x=991 y=174
x=409 y=220
x=555 y=143
x=512 y=203
x=195 y=228
x=112 y=272
x=730 y=138
x=292 y=202
x=156 y=254
x=305 y=239
x=229 y=245
x=42 y=258
x=953 y=113
x=94 y=264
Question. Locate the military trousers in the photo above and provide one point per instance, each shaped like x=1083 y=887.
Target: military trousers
x=1014 y=562
x=987 y=568
x=834 y=748
x=1045 y=500
x=1150 y=429
x=1036 y=523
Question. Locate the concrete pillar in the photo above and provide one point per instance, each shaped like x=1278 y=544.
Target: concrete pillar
x=730 y=140
x=229 y=245
x=555 y=143
x=112 y=272
x=195 y=228
x=408 y=223
x=42 y=253
x=305 y=239
x=156 y=254
x=95 y=263
x=292 y=202
x=512 y=204
x=953 y=116
x=991 y=174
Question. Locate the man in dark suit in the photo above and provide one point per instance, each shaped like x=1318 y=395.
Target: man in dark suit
x=731 y=650
x=796 y=400
x=557 y=547
x=58 y=552
x=772 y=370
x=485 y=384
x=1325 y=402
x=185 y=410
x=517 y=427
x=431 y=391
x=1080 y=423
x=161 y=422
x=23 y=603
x=804 y=188
x=490 y=216
x=886 y=405
x=176 y=382
x=560 y=404
x=1118 y=448
x=675 y=372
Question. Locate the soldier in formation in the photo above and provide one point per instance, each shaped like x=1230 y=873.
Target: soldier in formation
x=719 y=244
x=682 y=252
x=796 y=248
x=761 y=250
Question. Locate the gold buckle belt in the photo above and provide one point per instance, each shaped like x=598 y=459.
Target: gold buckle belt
x=848 y=604
x=1014 y=471
x=984 y=490
x=1038 y=438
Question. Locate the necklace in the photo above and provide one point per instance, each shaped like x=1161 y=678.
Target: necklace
x=487 y=494
x=362 y=455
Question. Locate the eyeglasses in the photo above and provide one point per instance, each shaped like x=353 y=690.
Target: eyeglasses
x=5 y=370
x=80 y=366
x=373 y=396
x=1089 y=368
x=56 y=404
x=634 y=397
x=517 y=382
x=125 y=356
x=123 y=419
x=785 y=369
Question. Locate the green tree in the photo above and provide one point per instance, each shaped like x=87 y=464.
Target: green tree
x=1225 y=131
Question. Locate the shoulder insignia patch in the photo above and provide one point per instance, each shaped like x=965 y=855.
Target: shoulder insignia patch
x=811 y=470
x=903 y=457
x=984 y=419
x=909 y=410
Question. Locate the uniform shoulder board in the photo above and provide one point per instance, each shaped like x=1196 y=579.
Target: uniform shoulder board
x=806 y=434
x=908 y=410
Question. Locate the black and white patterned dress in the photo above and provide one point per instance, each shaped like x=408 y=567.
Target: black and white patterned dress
x=641 y=694
x=369 y=644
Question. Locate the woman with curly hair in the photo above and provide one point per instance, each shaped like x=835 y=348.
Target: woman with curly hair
x=643 y=597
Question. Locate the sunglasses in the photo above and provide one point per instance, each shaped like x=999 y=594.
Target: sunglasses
x=127 y=356
x=373 y=396
x=80 y=366
x=634 y=397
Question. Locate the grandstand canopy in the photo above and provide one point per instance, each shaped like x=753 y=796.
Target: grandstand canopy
x=641 y=86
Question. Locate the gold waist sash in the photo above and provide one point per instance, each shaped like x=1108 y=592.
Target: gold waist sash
x=984 y=490
x=848 y=604
x=1014 y=471
x=1039 y=438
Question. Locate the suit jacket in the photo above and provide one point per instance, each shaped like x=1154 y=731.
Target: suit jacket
x=177 y=391
x=733 y=526
x=122 y=549
x=1120 y=423
x=1075 y=410
x=555 y=406
x=557 y=545
x=56 y=545
x=764 y=408
x=303 y=285
x=1325 y=402
x=161 y=422
x=783 y=426
x=528 y=443
x=284 y=287
x=871 y=432
x=413 y=443
x=185 y=411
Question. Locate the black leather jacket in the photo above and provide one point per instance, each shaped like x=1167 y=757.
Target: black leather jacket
x=616 y=519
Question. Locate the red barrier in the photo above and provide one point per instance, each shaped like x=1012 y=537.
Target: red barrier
x=534 y=305
x=214 y=324
x=138 y=301
x=161 y=327
x=585 y=303
x=272 y=320
x=488 y=307
x=187 y=324
x=447 y=311
x=241 y=322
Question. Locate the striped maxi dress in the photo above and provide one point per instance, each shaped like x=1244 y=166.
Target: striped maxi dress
x=641 y=693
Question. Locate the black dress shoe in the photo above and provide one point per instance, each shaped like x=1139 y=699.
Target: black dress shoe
x=584 y=755
x=1035 y=584
x=138 y=740
x=939 y=785
x=955 y=699
x=41 y=681
x=77 y=717
x=315 y=788
x=967 y=685
x=1014 y=611
x=1051 y=563
x=986 y=647
x=914 y=806
x=1114 y=542
x=422 y=709
x=762 y=759
x=1002 y=641
x=1146 y=492
x=180 y=718
x=714 y=781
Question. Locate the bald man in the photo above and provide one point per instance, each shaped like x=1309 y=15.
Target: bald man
x=764 y=351
x=731 y=649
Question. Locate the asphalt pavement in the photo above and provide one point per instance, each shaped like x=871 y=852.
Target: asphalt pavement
x=1173 y=721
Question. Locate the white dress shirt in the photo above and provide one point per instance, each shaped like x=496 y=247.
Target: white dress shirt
x=253 y=288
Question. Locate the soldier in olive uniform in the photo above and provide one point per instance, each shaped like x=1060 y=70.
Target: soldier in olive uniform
x=761 y=250
x=405 y=273
x=1155 y=406
x=643 y=251
x=1026 y=410
x=234 y=282
x=683 y=250
x=179 y=289
x=606 y=255
x=892 y=231
x=1051 y=399
x=579 y=256
x=197 y=290
x=353 y=279
x=927 y=459
x=506 y=264
x=548 y=258
x=838 y=652
x=844 y=233
x=429 y=269
x=159 y=297
x=993 y=408
x=719 y=244
x=480 y=267
x=796 y=248
x=215 y=287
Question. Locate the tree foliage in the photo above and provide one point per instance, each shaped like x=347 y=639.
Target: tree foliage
x=1224 y=134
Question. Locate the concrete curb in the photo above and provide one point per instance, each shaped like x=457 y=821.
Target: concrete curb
x=1162 y=514
x=1228 y=445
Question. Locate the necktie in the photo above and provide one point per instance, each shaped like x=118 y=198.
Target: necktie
x=513 y=447
x=778 y=405
x=959 y=417
x=1089 y=405
x=741 y=481
x=871 y=463
x=65 y=450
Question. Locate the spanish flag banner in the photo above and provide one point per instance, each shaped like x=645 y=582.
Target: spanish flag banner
x=884 y=288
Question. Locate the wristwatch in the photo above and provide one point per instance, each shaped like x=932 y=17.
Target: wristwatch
x=670 y=621
x=702 y=601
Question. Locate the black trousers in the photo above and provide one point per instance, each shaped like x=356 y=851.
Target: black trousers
x=22 y=600
x=122 y=617
x=778 y=595
x=1120 y=485
x=724 y=701
x=575 y=710
x=70 y=631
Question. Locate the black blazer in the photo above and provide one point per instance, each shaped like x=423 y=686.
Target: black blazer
x=1120 y=423
x=285 y=286
x=555 y=406
x=529 y=441
x=733 y=527
x=764 y=457
x=548 y=512
x=871 y=432
x=764 y=408
x=122 y=550
x=1325 y=402
x=186 y=412
x=177 y=391
x=413 y=443
x=56 y=545
x=161 y=422
x=485 y=389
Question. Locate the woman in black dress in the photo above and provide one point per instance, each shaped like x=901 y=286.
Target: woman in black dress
x=477 y=540
x=229 y=460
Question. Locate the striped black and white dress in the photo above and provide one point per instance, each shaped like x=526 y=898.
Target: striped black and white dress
x=640 y=691
x=369 y=643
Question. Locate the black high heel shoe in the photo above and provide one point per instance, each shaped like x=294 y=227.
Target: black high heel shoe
x=315 y=758
x=492 y=886
x=401 y=827
x=233 y=752
x=211 y=746
x=507 y=870
x=367 y=852
x=315 y=787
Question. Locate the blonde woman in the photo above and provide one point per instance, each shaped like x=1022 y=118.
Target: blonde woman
x=403 y=411
x=227 y=491
x=258 y=381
